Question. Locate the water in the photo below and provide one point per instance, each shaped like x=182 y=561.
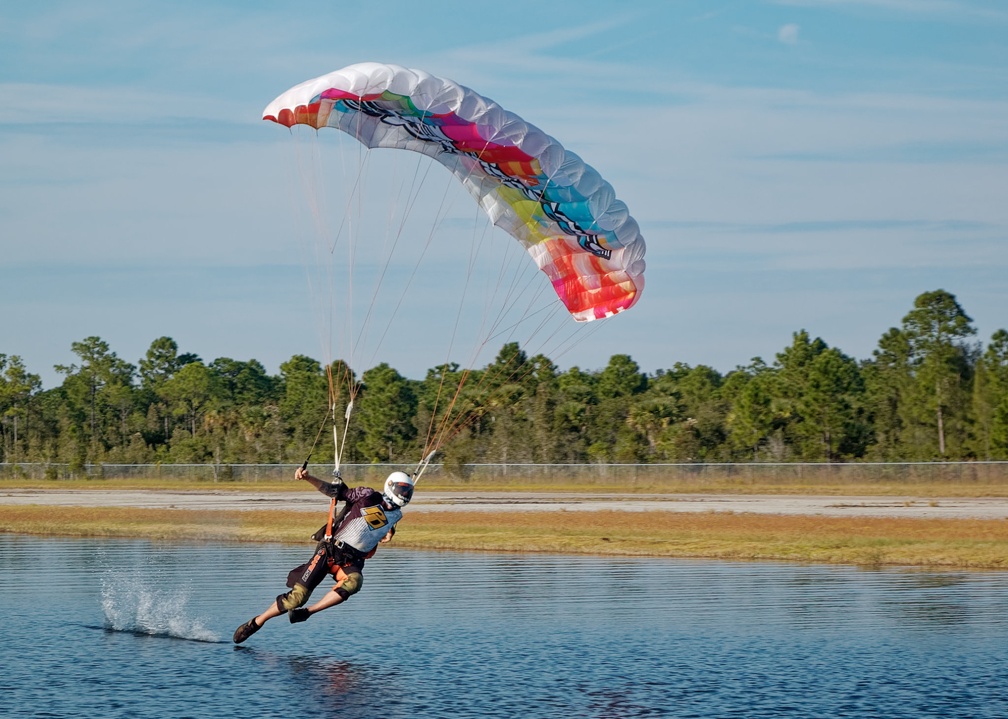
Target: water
x=137 y=629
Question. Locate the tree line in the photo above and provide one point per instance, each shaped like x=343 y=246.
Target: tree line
x=930 y=391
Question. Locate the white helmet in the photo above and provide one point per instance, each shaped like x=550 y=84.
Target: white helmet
x=399 y=489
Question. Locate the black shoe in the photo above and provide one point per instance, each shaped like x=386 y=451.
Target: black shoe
x=299 y=615
x=246 y=630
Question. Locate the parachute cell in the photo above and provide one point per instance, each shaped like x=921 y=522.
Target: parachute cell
x=559 y=208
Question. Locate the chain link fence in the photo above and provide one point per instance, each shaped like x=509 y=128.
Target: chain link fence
x=591 y=475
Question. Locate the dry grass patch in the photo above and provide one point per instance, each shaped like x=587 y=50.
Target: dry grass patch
x=670 y=486
x=958 y=543
x=163 y=524
x=923 y=542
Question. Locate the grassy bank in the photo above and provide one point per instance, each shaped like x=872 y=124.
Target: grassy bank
x=945 y=543
x=723 y=485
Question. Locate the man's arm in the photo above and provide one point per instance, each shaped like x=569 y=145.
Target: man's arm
x=335 y=489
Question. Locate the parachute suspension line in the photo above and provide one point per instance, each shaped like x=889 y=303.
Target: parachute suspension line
x=511 y=289
x=412 y=197
x=451 y=427
x=350 y=229
x=503 y=375
x=448 y=426
x=318 y=435
x=319 y=267
x=551 y=312
x=440 y=214
x=454 y=421
x=515 y=288
x=547 y=314
x=332 y=409
x=422 y=466
x=312 y=255
x=339 y=443
x=336 y=448
x=411 y=200
x=434 y=438
x=351 y=248
x=488 y=301
x=512 y=283
x=355 y=190
x=319 y=274
x=507 y=372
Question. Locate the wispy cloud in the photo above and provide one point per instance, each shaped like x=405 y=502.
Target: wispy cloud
x=788 y=34
x=959 y=9
x=775 y=191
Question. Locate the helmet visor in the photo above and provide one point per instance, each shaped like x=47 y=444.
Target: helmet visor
x=402 y=490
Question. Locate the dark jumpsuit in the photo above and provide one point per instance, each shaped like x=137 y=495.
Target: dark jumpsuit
x=360 y=526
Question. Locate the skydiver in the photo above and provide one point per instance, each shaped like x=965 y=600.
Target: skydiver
x=367 y=519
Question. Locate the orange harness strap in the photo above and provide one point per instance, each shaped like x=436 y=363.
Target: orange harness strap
x=332 y=514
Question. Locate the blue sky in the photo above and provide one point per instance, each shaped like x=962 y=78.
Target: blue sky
x=793 y=164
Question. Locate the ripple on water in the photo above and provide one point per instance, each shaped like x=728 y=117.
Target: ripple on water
x=93 y=629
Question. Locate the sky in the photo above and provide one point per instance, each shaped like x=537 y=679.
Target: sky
x=793 y=165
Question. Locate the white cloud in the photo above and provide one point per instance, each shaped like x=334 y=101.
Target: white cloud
x=788 y=34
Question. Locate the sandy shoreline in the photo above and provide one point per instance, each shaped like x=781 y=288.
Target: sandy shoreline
x=827 y=506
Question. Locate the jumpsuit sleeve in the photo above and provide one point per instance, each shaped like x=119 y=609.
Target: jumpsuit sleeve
x=334 y=489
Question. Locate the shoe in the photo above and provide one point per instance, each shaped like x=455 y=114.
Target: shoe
x=299 y=615
x=246 y=630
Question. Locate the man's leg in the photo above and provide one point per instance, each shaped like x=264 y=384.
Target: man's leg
x=349 y=582
x=313 y=573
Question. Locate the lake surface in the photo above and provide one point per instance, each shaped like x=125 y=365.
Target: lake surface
x=96 y=628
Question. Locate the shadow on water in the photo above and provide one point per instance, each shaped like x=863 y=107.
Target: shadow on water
x=147 y=633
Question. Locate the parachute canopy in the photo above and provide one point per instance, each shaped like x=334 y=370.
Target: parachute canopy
x=558 y=207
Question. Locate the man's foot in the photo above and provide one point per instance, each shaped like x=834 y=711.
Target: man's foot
x=299 y=615
x=246 y=630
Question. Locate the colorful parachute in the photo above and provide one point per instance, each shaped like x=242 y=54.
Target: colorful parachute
x=559 y=208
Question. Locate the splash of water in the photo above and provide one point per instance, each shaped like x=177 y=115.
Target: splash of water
x=130 y=605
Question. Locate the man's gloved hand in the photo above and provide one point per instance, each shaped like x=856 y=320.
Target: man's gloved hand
x=299 y=615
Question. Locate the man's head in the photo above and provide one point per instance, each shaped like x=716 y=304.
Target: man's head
x=398 y=489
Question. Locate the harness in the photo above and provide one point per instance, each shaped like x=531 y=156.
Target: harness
x=343 y=554
x=337 y=552
x=325 y=531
